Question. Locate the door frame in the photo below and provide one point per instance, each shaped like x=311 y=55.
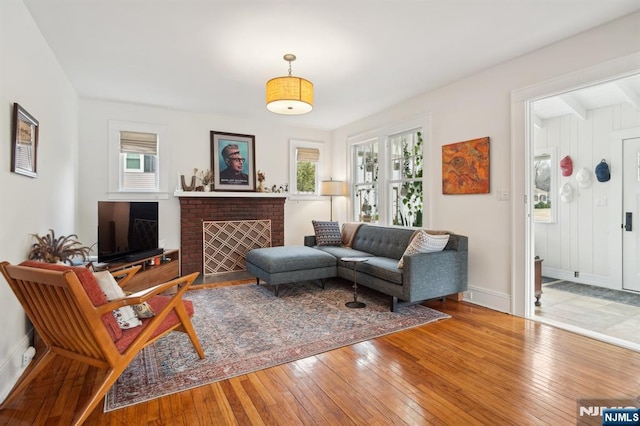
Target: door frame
x=522 y=239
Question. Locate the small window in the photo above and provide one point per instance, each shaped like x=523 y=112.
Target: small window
x=139 y=152
x=305 y=168
x=136 y=159
x=544 y=178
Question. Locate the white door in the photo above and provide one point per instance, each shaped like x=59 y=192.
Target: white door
x=631 y=214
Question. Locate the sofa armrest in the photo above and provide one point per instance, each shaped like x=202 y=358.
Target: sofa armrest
x=310 y=240
x=431 y=275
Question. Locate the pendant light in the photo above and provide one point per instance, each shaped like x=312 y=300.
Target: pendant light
x=289 y=95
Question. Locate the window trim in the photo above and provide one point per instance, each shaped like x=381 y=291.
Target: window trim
x=114 y=161
x=294 y=144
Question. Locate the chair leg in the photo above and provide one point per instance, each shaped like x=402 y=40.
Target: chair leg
x=110 y=378
x=28 y=376
x=188 y=328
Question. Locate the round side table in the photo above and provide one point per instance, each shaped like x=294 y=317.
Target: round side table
x=355 y=260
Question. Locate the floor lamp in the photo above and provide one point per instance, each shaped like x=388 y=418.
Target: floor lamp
x=333 y=188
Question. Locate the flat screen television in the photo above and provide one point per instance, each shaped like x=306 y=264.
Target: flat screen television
x=127 y=230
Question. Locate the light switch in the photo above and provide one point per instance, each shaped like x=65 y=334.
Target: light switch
x=503 y=194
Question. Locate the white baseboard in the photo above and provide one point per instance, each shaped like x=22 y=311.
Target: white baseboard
x=583 y=278
x=12 y=367
x=488 y=298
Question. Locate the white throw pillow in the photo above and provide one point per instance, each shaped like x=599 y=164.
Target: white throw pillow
x=423 y=242
x=125 y=316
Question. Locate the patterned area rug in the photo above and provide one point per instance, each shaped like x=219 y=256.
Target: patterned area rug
x=245 y=328
x=625 y=297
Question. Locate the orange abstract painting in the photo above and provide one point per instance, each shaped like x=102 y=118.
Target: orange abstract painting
x=465 y=167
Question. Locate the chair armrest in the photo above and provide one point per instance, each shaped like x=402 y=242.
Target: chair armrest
x=123 y=276
x=143 y=295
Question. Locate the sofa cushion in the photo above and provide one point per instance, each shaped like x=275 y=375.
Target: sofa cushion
x=90 y=286
x=340 y=252
x=289 y=258
x=380 y=267
x=424 y=242
x=382 y=241
x=327 y=233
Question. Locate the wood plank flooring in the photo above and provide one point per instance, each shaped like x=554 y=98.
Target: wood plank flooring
x=479 y=367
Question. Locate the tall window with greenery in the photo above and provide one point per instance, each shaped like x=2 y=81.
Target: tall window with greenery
x=405 y=183
x=366 y=175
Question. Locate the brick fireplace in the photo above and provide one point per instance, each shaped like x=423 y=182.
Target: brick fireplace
x=196 y=208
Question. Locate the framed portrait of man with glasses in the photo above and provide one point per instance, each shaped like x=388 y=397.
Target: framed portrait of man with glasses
x=233 y=161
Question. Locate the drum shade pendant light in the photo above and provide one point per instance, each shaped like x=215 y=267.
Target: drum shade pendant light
x=289 y=95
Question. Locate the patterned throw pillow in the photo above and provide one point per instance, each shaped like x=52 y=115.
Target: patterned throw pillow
x=423 y=242
x=125 y=316
x=327 y=233
x=143 y=310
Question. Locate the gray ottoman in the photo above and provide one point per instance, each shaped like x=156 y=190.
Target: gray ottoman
x=290 y=264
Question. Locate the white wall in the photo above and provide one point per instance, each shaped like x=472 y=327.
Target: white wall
x=31 y=76
x=481 y=106
x=587 y=236
x=189 y=146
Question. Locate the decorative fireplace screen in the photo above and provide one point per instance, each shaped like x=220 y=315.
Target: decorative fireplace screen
x=226 y=243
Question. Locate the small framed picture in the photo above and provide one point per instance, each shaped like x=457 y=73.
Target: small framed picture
x=24 y=143
x=233 y=161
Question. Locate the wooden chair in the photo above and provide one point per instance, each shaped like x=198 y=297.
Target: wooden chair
x=75 y=322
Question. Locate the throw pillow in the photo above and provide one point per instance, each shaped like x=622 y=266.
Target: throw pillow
x=327 y=233
x=125 y=316
x=424 y=242
x=143 y=310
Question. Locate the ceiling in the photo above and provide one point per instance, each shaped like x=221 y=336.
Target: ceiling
x=215 y=56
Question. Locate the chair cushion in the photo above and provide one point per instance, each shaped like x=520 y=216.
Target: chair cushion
x=157 y=303
x=90 y=286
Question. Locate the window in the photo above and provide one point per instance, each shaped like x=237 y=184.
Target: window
x=305 y=168
x=405 y=183
x=544 y=178
x=387 y=175
x=135 y=158
x=139 y=153
x=366 y=175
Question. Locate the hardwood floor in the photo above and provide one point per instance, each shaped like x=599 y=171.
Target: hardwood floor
x=479 y=367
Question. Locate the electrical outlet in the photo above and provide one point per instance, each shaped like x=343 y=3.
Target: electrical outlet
x=28 y=355
x=468 y=295
x=576 y=274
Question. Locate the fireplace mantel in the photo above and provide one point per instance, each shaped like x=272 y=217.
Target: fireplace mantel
x=228 y=194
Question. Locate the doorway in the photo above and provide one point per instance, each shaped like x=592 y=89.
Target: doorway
x=631 y=210
x=587 y=243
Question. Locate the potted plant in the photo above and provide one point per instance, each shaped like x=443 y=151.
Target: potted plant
x=62 y=249
x=206 y=177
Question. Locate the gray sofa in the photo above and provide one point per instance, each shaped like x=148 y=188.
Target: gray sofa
x=424 y=275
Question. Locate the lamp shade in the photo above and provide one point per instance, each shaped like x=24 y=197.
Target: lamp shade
x=289 y=95
x=333 y=187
